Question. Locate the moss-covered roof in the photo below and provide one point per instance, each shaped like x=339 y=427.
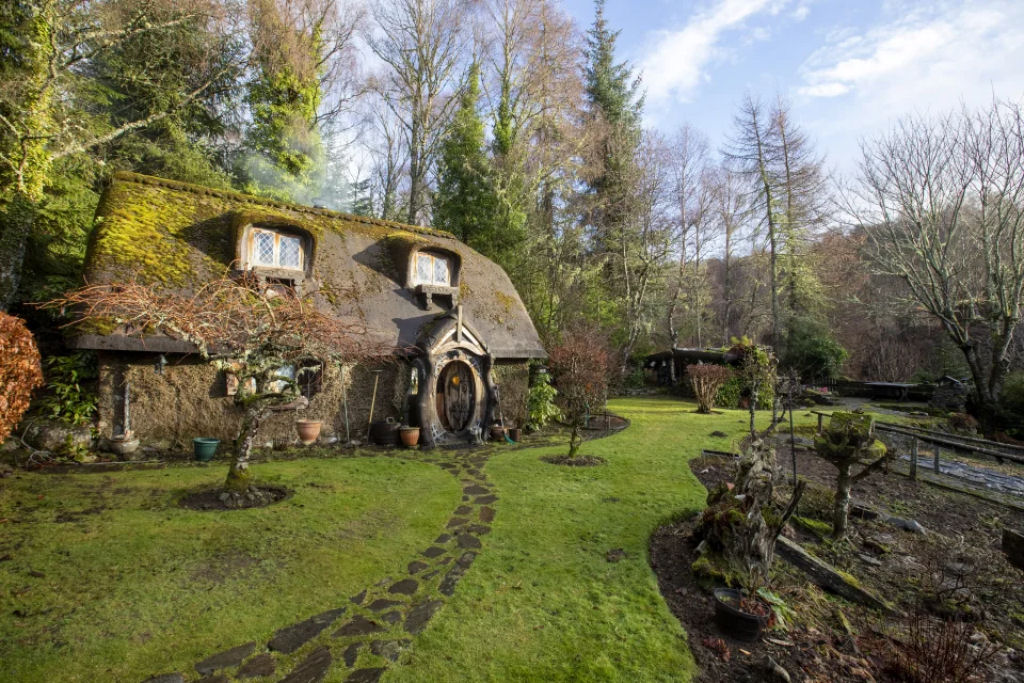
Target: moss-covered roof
x=176 y=235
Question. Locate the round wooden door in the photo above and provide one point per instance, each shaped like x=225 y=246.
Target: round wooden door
x=457 y=390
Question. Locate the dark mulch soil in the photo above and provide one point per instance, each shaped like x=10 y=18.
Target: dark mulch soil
x=218 y=499
x=964 y=533
x=578 y=461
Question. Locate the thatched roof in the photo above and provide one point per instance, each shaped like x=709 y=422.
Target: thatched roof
x=178 y=235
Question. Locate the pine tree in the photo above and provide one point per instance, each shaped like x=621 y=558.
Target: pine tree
x=464 y=204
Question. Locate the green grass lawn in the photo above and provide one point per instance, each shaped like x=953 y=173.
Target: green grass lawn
x=109 y=580
x=142 y=586
x=543 y=603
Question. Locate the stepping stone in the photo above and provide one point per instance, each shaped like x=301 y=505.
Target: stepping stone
x=420 y=615
x=465 y=498
x=359 y=626
x=260 y=665
x=467 y=541
x=433 y=551
x=443 y=538
x=463 y=509
x=351 y=652
x=365 y=676
x=381 y=604
x=405 y=587
x=466 y=560
x=444 y=560
x=392 y=617
x=478 y=529
x=291 y=638
x=487 y=514
x=476 y=490
x=430 y=575
x=416 y=567
x=166 y=678
x=457 y=521
x=450 y=580
x=389 y=649
x=485 y=500
x=223 y=660
x=358 y=599
x=312 y=669
x=214 y=678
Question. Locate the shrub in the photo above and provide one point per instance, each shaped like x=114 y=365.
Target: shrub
x=580 y=364
x=540 y=402
x=730 y=393
x=1012 y=397
x=811 y=350
x=20 y=371
x=70 y=379
x=706 y=381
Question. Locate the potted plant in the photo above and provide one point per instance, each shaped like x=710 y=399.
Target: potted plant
x=410 y=436
x=497 y=432
x=309 y=431
x=739 y=615
x=204 y=448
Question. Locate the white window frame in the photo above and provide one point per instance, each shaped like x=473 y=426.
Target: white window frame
x=253 y=252
x=434 y=257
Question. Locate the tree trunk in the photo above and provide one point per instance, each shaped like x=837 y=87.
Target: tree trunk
x=15 y=227
x=841 y=507
x=239 y=478
x=575 y=440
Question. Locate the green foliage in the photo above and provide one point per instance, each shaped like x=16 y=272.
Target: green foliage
x=465 y=203
x=811 y=349
x=611 y=87
x=1012 y=397
x=70 y=381
x=540 y=403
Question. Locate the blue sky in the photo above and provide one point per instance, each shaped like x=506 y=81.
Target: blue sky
x=848 y=67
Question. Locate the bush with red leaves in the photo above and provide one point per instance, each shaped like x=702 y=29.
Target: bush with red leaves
x=20 y=371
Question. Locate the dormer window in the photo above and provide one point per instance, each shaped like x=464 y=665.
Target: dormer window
x=272 y=249
x=433 y=269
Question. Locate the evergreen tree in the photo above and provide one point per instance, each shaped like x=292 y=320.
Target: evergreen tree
x=284 y=96
x=465 y=203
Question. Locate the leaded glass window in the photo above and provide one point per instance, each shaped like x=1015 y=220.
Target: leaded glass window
x=433 y=269
x=276 y=250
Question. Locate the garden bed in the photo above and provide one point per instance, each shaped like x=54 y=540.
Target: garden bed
x=951 y=585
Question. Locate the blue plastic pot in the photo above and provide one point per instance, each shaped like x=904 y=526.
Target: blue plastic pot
x=205 y=448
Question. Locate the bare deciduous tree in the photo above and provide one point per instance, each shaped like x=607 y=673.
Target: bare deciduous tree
x=421 y=42
x=238 y=327
x=943 y=203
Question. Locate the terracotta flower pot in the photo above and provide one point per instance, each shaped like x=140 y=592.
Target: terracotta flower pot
x=497 y=433
x=410 y=436
x=309 y=430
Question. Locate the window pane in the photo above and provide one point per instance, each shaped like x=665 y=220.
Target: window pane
x=441 y=275
x=291 y=252
x=423 y=268
x=263 y=248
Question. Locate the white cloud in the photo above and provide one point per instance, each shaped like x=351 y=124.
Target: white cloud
x=917 y=60
x=677 y=61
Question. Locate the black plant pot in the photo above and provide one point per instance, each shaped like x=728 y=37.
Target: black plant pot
x=733 y=621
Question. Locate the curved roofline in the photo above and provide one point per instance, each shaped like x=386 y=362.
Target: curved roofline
x=140 y=179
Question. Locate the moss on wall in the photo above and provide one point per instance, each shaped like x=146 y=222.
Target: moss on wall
x=189 y=399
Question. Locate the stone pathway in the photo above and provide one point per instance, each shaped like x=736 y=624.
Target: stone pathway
x=372 y=629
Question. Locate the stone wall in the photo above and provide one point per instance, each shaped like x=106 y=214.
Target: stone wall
x=189 y=399
x=513 y=379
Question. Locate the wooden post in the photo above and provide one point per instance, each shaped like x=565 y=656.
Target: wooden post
x=820 y=421
x=913 y=459
x=369 y=422
x=938 y=452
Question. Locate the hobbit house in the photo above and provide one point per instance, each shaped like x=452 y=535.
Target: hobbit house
x=463 y=336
